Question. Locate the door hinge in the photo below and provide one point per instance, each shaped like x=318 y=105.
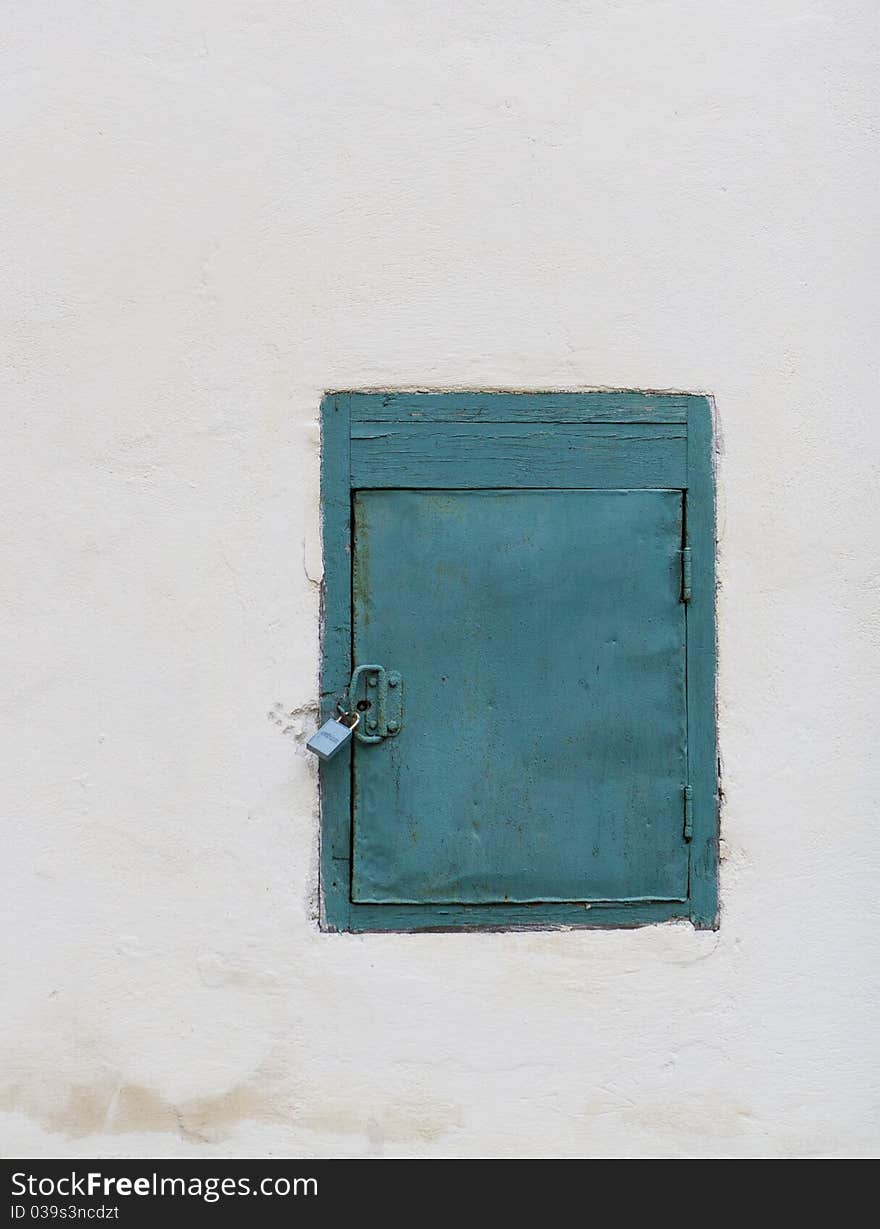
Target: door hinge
x=686 y=574
x=688 y=831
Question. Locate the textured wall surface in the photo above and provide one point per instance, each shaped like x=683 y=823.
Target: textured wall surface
x=216 y=210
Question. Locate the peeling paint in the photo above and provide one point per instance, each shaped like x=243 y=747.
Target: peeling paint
x=298 y=723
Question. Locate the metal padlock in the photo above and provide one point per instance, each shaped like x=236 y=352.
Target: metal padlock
x=332 y=736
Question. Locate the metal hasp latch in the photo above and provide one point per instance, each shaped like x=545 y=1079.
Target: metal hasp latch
x=376 y=695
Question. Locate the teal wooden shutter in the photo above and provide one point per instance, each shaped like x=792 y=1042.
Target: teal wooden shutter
x=538 y=576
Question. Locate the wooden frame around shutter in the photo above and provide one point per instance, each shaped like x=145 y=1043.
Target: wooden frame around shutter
x=671 y=444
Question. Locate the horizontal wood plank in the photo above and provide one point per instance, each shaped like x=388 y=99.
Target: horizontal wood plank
x=461 y=455
x=544 y=916
x=628 y=407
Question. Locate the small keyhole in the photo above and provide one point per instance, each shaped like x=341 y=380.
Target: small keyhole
x=363 y=705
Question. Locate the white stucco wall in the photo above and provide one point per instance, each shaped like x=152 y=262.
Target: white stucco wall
x=214 y=211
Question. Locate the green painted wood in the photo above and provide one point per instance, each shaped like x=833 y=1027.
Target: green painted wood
x=541 y=637
x=702 y=738
x=543 y=916
x=471 y=455
x=616 y=407
x=335 y=775
x=696 y=479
